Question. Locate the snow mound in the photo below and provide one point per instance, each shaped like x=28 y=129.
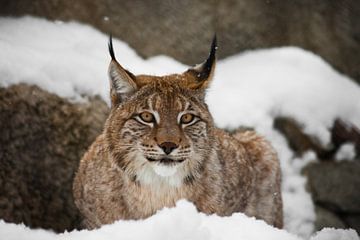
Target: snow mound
x=181 y=222
x=71 y=60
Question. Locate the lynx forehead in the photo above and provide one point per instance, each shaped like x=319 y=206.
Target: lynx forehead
x=160 y=145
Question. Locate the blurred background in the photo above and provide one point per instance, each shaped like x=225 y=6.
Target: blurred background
x=184 y=29
x=35 y=186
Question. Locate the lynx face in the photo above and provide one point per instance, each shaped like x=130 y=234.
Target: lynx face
x=159 y=128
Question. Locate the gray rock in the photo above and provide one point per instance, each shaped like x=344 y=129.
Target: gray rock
x=335 y=185
x=326 y=218
x=183 y=29
x=42 y=140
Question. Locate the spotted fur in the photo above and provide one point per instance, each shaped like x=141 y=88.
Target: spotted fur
x=126 y=173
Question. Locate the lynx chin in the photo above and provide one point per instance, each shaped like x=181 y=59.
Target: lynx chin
x=160 y=145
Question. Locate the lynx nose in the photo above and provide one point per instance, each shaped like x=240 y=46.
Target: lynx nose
x=168 y=147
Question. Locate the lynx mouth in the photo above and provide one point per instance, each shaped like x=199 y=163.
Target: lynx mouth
x=166 y=161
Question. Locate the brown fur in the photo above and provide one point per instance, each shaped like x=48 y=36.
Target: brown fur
x=122 y=175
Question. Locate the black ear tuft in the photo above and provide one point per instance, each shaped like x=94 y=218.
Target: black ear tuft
x=211 y=59
x=111 y=49
x=203 y=71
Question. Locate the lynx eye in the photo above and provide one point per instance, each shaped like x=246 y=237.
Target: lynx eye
x=187 y=118
x=147 y=117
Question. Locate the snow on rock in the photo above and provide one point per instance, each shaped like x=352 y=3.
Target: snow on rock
x=71 y=60
x=283 y=81
x=346 y=152
x=335 y=234
x=68 y=59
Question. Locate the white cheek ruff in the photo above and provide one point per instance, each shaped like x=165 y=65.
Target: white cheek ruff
x=164 y=170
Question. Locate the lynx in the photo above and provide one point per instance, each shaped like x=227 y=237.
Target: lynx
x=160 y=145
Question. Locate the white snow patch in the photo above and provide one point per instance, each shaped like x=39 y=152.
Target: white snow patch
x=336 y=234
x=71 y=60
x=346 y=152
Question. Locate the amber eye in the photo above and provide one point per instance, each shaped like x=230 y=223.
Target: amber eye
x=147 y=117
x=187 y=118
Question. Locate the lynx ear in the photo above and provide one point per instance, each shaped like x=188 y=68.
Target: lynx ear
x=200 y=76
x=122 y=82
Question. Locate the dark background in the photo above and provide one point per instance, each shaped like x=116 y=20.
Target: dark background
x=184 y=29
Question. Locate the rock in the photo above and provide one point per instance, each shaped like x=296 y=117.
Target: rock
x=298 y=141
x=335 y=185
x=42 y=140
x=183 y=29
x=326 y=218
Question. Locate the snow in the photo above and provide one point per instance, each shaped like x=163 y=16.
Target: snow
x=346 y=152
x=336 y=234
x=249 y=89
x=283 y=81
x=68 y=59
x=182 y=222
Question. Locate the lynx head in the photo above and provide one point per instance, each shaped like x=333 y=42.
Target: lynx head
x=159 y=128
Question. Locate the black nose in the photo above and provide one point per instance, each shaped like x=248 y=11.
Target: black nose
x=168 y=147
